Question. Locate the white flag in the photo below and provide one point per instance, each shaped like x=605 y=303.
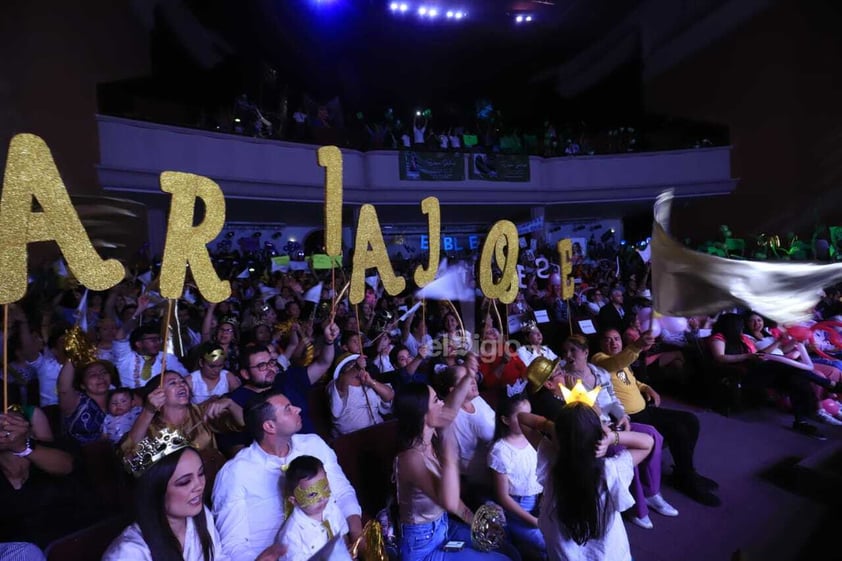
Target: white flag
x=646 y=254
x=410 y=311
x=314 y=295
x=145 y=278
x=82 y=312
x=188 y=296
x=450 y=285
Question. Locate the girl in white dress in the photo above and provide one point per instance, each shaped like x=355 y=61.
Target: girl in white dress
x=514 y=470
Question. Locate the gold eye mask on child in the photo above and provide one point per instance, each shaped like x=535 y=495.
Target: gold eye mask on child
x=312 y=494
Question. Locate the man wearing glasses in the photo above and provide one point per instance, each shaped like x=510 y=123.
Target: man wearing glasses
x=260 y=372
x=138 y=358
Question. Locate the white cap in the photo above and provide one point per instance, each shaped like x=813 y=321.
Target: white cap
x=342 y=362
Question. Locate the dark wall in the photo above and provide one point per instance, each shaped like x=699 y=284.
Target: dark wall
x=52 y=56
x=777 y=82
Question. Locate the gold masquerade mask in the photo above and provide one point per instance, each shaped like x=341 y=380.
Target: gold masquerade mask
x=311 y=495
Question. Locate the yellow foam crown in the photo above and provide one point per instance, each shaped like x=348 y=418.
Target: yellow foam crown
x=580 y=394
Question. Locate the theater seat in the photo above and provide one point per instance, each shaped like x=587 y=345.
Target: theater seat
x=111 y=483
x=88 y=544
x=319 y=410
x=366 y=457
x=213 y=460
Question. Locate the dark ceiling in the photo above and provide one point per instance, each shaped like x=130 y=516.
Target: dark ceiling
x=369 y=57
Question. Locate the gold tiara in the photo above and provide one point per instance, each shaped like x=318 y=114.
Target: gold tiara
x=152 y=449
x=580 y=394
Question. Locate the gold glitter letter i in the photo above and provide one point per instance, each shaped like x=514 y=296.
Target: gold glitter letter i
x=186 y=243
x=330 y=158
x=31 y=173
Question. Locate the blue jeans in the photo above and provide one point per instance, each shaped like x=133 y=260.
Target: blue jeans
x=526 y=537
x=425 y=542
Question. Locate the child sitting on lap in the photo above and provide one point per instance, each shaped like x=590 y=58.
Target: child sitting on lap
x=313 y=518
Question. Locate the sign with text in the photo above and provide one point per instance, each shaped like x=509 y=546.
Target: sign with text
x=431 y=166
x=499 y=167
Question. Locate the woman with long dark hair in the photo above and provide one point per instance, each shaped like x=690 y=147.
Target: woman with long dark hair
x=731 y=347
x=426 y=473
x=585 y=491
x=173 y=523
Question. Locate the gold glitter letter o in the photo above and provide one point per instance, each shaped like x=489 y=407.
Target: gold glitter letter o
x=502 y=242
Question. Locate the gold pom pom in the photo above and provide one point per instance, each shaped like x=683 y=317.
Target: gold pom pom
x=373 y=547
x=80 y=350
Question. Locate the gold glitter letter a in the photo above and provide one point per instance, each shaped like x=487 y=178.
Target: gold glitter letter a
x=31 y=174
x=370 y=253
x=185 y=242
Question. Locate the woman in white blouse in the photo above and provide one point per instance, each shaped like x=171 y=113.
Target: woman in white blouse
x=172 y=521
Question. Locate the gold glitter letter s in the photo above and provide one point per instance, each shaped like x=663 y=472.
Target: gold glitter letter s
x=370 y=252
x=330 y=158
x=32 y=173
x=502 y=243
x=424 y=276
x=565 y=254
x=186 y=243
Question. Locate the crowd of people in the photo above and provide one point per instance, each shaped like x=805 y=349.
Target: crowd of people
x=484 y=127
x=227 y=420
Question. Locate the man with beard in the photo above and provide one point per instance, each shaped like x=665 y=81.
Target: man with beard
x=260 y=372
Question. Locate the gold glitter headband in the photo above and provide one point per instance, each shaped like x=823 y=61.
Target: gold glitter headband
x=214 y=355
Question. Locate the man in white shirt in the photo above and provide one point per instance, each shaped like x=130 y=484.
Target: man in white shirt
x=247 y=501
x=139 y=357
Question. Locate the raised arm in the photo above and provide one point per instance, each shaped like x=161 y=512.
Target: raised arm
x=316 y=370
x=444 y=490
x=207 y=322
x=68 y=397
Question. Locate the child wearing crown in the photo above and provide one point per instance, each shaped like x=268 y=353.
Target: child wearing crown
x=580 y=511
x=313 y=519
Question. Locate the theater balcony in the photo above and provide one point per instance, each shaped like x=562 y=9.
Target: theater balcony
x=274 y=180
